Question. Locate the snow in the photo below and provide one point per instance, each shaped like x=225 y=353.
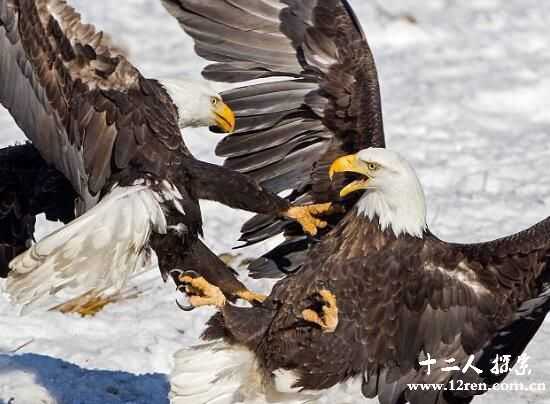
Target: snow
x=465 y=93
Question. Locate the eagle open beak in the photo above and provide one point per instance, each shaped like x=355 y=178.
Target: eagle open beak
x=350 y=164
x=225 y=118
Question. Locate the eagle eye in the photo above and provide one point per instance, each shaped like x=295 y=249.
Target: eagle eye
x=372 y=166
x=214 y=101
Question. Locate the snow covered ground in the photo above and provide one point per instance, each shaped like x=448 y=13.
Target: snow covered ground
x=465 y=95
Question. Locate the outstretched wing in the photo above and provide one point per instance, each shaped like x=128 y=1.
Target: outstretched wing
x=325 y=104
x=28 y=187
x=453 y=301
x=83 y=105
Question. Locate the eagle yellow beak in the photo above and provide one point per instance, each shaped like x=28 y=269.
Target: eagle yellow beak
x=350 y=164
x=225 y=118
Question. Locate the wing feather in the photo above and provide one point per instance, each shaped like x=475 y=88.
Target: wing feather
x=269 y=138
x=88 y=254
x=453 y=301
x=330 y=82
x=73 y=92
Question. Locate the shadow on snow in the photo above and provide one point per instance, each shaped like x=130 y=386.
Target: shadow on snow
x=67 y=383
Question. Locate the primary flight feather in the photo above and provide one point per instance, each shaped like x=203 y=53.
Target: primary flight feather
x=377 y=291
x=325 y=103
x=115 y=136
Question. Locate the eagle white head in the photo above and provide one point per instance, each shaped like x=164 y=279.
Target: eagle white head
x=392 y=190
x=199 y=104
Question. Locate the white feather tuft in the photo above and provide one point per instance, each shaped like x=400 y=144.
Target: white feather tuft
x=219 y=373
x=98 y=250
x=214 y=373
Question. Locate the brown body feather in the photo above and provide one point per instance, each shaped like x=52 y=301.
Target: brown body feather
x=399 y=299
x=99 y=122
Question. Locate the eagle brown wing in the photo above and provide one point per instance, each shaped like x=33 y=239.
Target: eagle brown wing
x=325 y=105
x=407 y=300
x=452 y=301
x=77 y=98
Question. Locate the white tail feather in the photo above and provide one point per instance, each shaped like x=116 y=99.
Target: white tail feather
x=212 y=373
x=98 y=250
x=219 y=373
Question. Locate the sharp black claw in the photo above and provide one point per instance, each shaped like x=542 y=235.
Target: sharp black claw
x=185 y=307
x=192 y=274
x=176 y=273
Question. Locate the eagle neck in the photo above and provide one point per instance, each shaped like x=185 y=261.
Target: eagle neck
x=401 y=212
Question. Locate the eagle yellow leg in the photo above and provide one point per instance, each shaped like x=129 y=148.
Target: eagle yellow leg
x=305 y=215
x=328 y=320
x=251 y=297
x=202 y=292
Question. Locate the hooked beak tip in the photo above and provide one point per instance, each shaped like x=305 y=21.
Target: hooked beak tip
x=225 y=118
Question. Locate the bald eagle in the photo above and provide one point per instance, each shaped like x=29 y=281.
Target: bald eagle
x=375 y=292
x=374 y=299
x=324 y=104
x=115 y=136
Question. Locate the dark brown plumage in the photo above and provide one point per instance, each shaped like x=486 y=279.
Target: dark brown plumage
x=28 y=187
x=399 y=297
x=289 y=131
x=105 y=127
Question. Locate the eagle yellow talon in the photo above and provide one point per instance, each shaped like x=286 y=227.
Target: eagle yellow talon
x=204 y=293
x=328 y=320
x=305 y=216
x=251 y=296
